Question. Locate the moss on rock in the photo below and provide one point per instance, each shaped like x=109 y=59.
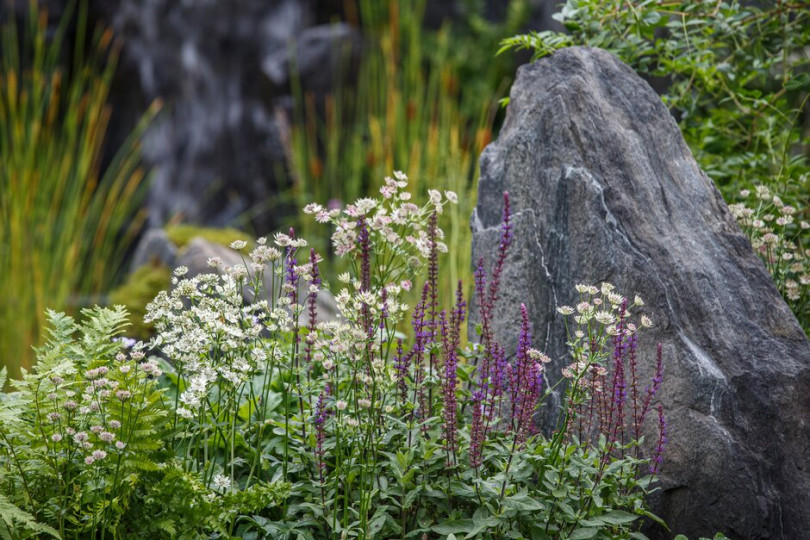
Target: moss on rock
x=181 y=235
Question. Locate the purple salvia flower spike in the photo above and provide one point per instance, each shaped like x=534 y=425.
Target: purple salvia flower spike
x=503 y=246
x=657 y=379
x=449 y=382
x=477 y=434
x=321 y=413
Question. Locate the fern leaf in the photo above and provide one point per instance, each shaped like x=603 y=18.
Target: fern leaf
x=18 y=520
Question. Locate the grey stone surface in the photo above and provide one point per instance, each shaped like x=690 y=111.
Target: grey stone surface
x=195 y=257
x=155 y=247
x=605 y=189
x=316 y=55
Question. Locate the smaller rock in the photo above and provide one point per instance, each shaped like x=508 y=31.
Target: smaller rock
x=155 y=249
x=197 y=252
x=195 y=257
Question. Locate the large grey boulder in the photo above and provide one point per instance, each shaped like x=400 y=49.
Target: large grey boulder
x=605 y=189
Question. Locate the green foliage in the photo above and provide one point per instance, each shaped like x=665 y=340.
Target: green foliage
x=85 y=447
x=737 y=79
x=179 y=505
x=264 y=423
x=358 y=429
x=20 y=524
x=737 y=76
x=181 y=235
x=64 y=223
x=137 y=291
x=79 y=430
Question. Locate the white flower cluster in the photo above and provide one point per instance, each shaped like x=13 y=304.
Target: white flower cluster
x=207 y=332
x=214 y=339
x=602 y=304
x=597 y=317
x=773 y=231
x=393 y=220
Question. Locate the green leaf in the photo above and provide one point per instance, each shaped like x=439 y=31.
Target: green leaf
x=638 y=536
x=411 y=497
x=618 y=517
x=799 y=82
x=378 y=520
x=647 y=513
x=584 y=534
x=481 y=525
x=566 y=509
x=522 y=503
x=455 y=526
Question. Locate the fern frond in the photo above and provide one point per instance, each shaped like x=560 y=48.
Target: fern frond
x=542 y=43
x=99 y=327
x=20 y=521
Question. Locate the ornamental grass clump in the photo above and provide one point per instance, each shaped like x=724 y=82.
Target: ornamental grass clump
x=65 y=221
x=265 y=419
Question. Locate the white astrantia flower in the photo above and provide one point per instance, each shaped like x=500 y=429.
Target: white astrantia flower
x=605 y=317
x=220 y=482
x=238 y=244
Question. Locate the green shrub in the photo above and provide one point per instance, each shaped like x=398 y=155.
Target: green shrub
x=776 y=237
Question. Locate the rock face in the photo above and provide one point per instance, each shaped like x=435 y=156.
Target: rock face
x=604 y=188
x=220 y=66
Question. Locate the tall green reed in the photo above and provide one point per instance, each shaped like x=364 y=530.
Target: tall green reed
x=64 y=222
x=406 y=110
